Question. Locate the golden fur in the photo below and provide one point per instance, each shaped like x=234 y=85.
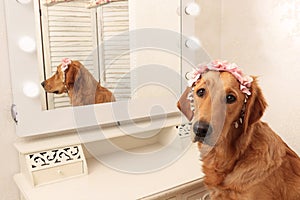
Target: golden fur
x=80 y=85
x=250 y=162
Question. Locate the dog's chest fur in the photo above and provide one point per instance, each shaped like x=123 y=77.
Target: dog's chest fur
x=231 y=175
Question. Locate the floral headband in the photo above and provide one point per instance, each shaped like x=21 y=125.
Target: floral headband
x=65 y=64
x=222 y=66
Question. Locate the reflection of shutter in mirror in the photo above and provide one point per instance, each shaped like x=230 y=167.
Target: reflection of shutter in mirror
x=114 y=48
x=73 y=31
x=68 y=31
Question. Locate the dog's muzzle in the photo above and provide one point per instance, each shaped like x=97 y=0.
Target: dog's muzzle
x=43 y=84
x=201 y=130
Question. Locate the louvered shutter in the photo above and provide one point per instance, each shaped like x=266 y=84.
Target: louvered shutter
x=113 y=23
x=69 y=30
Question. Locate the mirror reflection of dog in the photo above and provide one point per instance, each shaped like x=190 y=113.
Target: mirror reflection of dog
x=243 y=158
x=73 y=78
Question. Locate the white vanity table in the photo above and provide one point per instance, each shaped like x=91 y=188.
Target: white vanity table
x=124 y=150
x=181 y=179
x=175 y=181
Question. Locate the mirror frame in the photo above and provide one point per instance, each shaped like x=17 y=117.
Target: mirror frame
x=32 y=120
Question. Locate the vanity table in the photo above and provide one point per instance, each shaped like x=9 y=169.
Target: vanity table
x=85 y=169
x=136 y=148
x=180 y=180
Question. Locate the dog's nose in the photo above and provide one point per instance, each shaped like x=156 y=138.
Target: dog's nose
x=201 y=129
x=43 y=83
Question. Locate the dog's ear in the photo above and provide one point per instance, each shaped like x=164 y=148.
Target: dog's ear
x=256 y=105
x=72 y=73
x=184 y=104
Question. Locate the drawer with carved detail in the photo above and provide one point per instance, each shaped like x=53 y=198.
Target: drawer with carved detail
x=55 y=164
x=57 y=173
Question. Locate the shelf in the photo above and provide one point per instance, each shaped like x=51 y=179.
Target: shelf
x=86 y=135
x=35 y=144
x=103 y=182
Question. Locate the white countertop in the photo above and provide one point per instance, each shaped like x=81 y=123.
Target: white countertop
x=105 y=183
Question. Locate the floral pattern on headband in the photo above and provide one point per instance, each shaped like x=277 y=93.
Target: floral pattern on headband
x=65 y=63
x=222 y=66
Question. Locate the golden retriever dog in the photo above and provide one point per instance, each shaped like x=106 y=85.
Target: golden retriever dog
x=243 y=158
x=73 y=78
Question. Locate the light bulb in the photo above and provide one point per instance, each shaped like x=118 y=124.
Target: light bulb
x=30 y=89
x=192 y=9
x=27 y=44
x=23 y=1
x=192 y=43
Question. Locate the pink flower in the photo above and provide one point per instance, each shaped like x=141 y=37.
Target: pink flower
x=232 y=67
x=65 y=63
x=201 y=69
x=238 y=76
x=245 y=90
x=245 y=81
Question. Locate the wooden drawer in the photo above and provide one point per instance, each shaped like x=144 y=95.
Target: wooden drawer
x=57 y=173
x=54 y=164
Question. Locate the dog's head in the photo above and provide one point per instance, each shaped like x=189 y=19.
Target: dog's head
x=223 y=111
x=63 y=79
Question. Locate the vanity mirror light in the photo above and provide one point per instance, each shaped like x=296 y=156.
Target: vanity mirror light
x=135 y=48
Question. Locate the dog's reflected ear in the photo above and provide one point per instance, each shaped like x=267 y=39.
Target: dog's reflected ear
x=255 y=106
x=72 y=73
x=184 y=105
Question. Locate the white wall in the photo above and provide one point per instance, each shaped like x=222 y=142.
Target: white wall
x=8 y=154
x=253 y=35
x=208 y=26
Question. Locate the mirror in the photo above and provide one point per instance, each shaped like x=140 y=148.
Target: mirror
x=98 y=38
x=119 y=43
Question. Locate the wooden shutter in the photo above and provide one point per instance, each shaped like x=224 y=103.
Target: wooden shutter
x=113 y=22
x=69 y=30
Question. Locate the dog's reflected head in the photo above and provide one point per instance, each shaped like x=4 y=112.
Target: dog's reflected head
x=56 y=83
x=63 y=79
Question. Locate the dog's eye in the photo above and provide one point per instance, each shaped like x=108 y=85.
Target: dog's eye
x=230 y=99
x=201 y=92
